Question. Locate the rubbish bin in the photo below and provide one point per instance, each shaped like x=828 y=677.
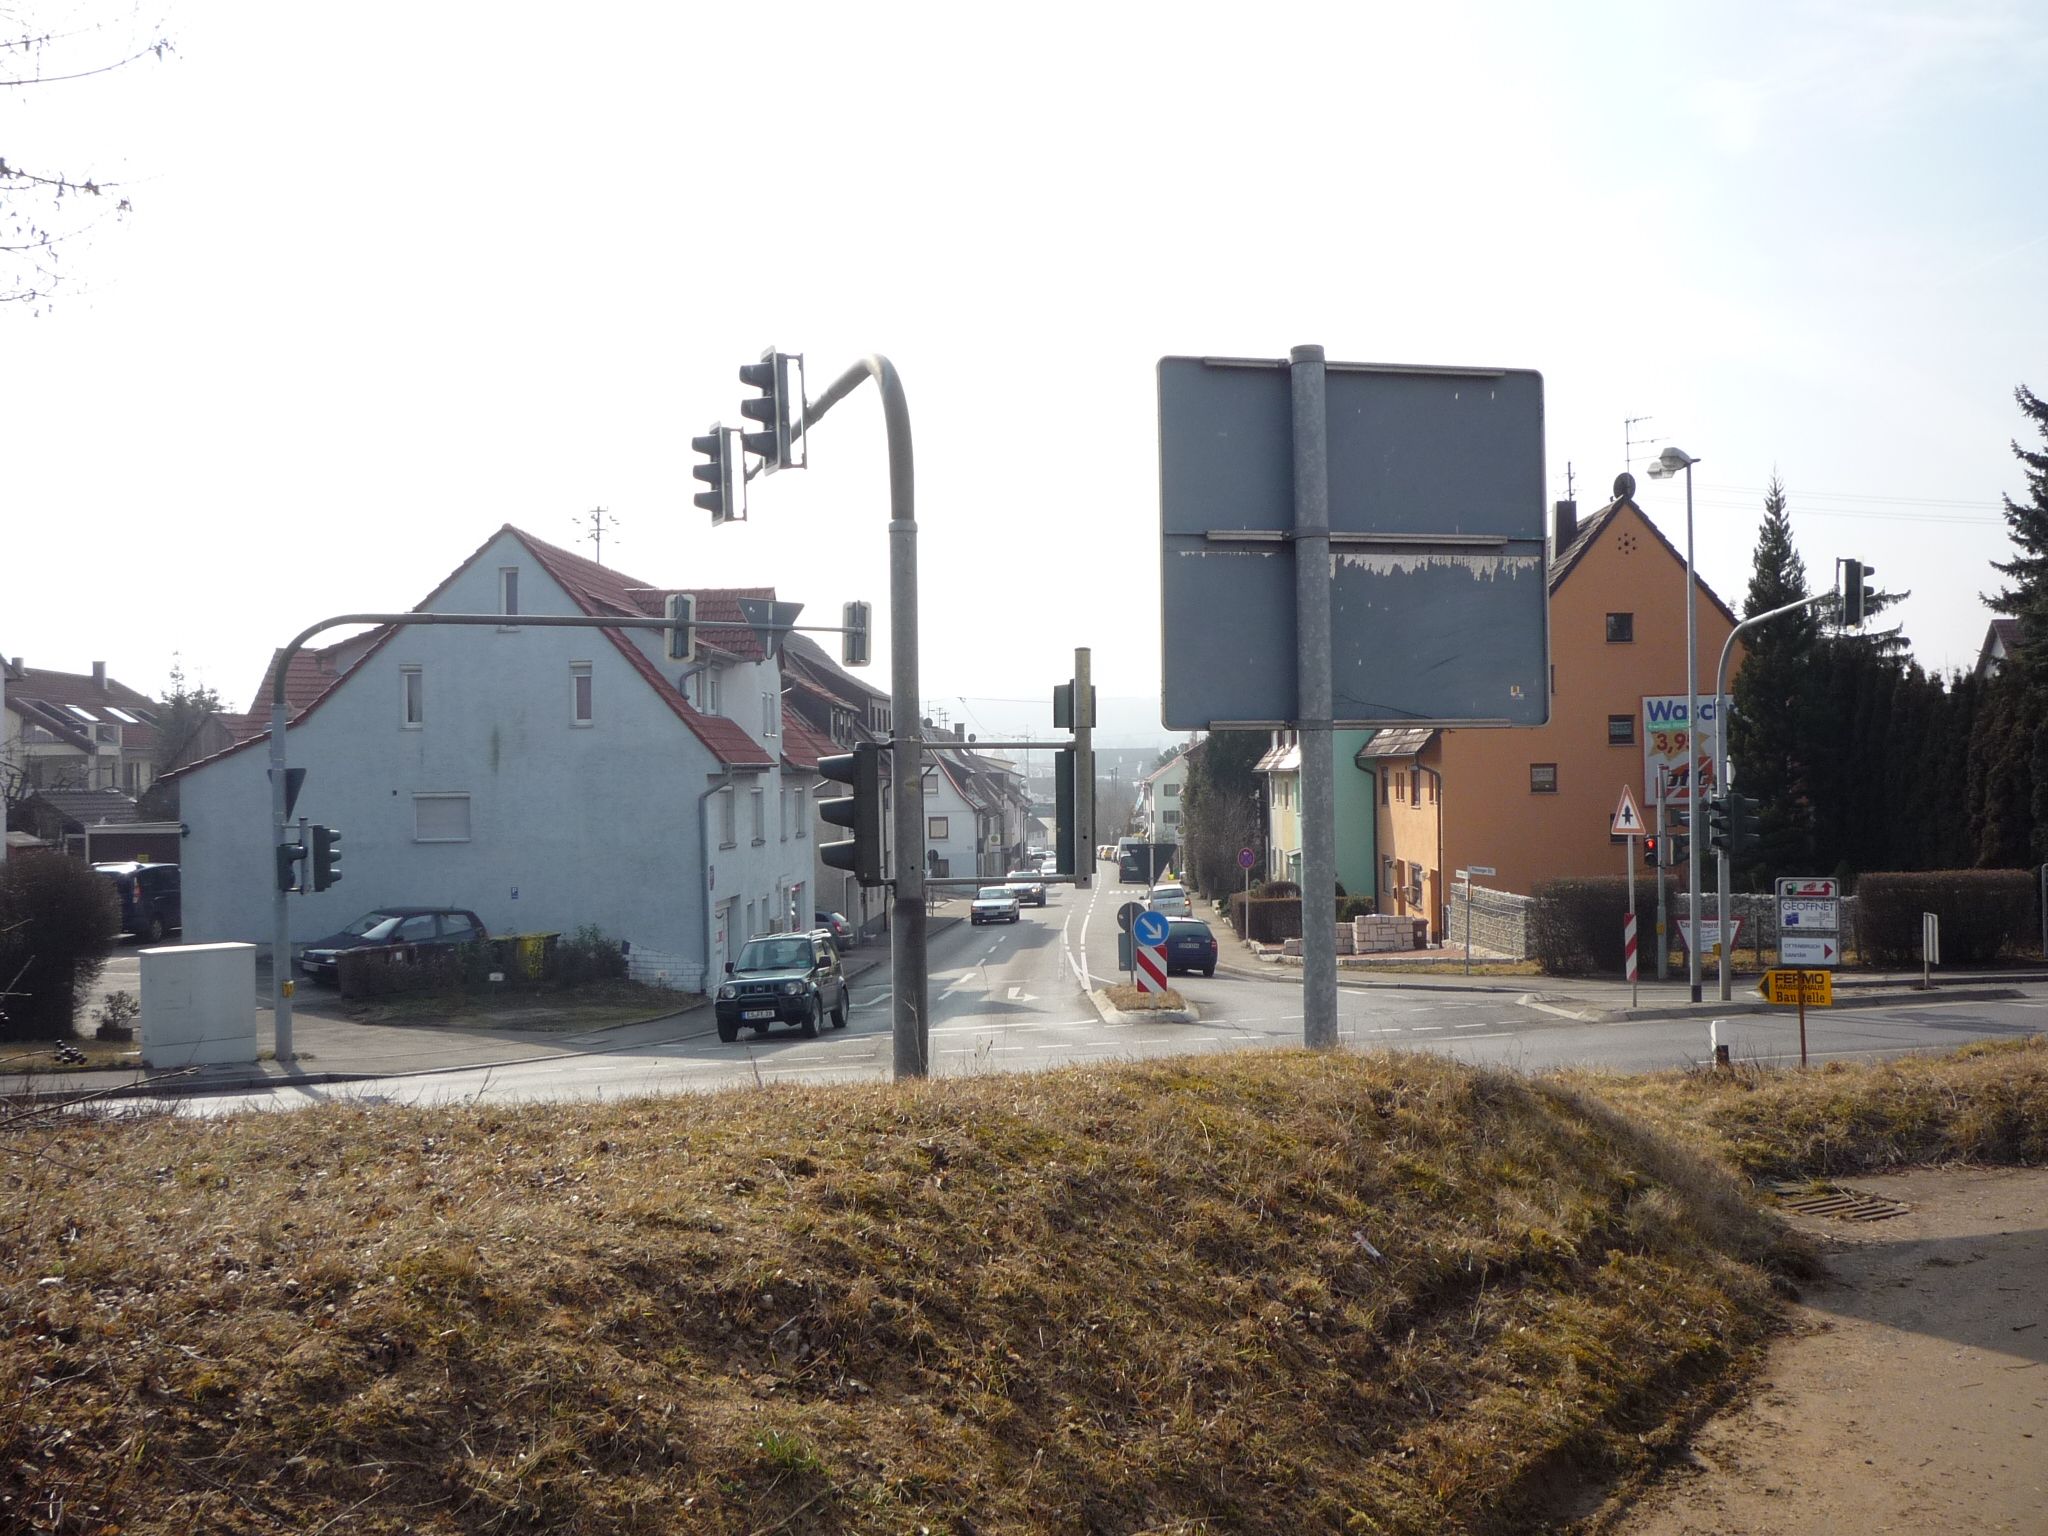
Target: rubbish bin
x=1421 y=925
x=529 y=956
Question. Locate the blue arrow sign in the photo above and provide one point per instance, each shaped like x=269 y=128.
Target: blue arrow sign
x=1149 y=928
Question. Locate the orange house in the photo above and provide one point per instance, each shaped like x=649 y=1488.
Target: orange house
x=1537 y=804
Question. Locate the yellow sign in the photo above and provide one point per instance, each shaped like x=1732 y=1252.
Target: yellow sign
x=1788 y=989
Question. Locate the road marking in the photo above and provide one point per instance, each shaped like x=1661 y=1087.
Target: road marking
x=1468 y=1026
x=1425 y=1029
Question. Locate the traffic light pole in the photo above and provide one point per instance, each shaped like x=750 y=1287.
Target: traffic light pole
x=1085 y=842
x=1312 y=689
x=280 y=912
x=909 y=973
x=1721 y=872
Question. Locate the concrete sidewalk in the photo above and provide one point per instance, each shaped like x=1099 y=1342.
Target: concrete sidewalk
x=332 y=1048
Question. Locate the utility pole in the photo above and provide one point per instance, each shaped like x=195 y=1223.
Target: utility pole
x=1313 y=698
x=1084 y=768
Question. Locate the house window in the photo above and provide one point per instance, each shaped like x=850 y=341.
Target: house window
x=771 y=713
x=931 y=785
x=728 y=821
x=1173 y=791
x=579 y=693
x=1621 y=628
x=1171 y=818
x=935 y=828
x=440 y=818
x=1543 y=778
x=803 y=826
x=760 y=815
x=1415 y=885
x=708 y=691
x=1386 y=786
x=1386 y=873
x=508 y=589
x=1621 y=730
x=413 y=706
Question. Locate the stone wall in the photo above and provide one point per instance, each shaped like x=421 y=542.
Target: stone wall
x=1500 y=921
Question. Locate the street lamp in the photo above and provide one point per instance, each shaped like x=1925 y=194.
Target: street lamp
x=1663 y=467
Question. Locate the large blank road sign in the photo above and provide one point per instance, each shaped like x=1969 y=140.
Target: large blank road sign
x=1440 y=601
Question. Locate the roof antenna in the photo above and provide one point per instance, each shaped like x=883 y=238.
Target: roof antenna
x=601 y=522
x=1630 y=442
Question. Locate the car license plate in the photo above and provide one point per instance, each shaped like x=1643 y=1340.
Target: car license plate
x=758 y=1013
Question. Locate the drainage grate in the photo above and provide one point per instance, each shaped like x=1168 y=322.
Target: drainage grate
x=1841 y=1204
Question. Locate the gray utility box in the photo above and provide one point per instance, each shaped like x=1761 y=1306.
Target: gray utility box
x=199 y=1005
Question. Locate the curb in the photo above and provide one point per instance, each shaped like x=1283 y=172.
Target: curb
x=1111 y=1014
x=1718 y=1009
x=1516 y=984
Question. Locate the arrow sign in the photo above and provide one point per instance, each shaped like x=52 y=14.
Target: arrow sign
x=1628 y=821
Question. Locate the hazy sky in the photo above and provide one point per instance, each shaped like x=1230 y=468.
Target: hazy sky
x=397 y=274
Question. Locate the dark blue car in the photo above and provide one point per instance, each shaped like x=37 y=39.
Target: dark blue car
x=1190 y=946
x=150 y=904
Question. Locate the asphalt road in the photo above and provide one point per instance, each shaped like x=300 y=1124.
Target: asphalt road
x=1010 y=997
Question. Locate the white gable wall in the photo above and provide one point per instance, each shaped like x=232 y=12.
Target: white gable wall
x=568 y=824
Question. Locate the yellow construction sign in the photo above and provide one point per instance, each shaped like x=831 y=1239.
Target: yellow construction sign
x=1791 y=989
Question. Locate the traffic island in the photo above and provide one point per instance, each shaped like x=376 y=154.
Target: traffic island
x=1120 y=1004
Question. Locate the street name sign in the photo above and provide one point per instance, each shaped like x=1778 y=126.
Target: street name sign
x=1809 y=949
x=1483 y=869
x=1439 y=583
x=1795 y=989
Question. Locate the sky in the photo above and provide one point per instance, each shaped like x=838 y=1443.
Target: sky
x=398 y=275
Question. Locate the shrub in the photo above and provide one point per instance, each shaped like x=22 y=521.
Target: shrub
x=1266 y=919
x=1985 y=914
x=586 y=955
x=1575 y=925
x=1277 y=888
x=1349 y=907
x=57 y=922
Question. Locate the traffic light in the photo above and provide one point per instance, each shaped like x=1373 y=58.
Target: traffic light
x=1650 y=850
x=681 y=643
x=1064 y=845
x=325 y=852
x=1742 y=826
x=857 y=624
x=726 y=501
x=779 y=376
x=288 y=856
x=860 y=811
x=1717 y=824
x=1855 y=592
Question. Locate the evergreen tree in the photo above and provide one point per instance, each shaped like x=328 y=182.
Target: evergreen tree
x=2025 y=594
x=1771 y=733
x=1218 y=810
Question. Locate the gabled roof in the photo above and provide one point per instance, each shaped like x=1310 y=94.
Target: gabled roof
x=70 y=704
x=1405 y=742
x=598 y=591
x=1567 y=559
x=1175 y=761
x=88 y=807
x=810 y=660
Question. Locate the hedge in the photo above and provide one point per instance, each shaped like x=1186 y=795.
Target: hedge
x=57 y=922
x=585 y=956
x=1575 y=925
x=1985 y=914
x=1269 y=919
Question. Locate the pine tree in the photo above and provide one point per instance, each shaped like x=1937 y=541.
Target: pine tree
x=1770 y=734
x=2025 y=594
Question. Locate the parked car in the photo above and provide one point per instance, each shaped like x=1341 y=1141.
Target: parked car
x=1049 y=865
x=149 y=898
x=835 y=923
x=1141 y=863
x=392 y=928
x=1190 y=946
x=994 y=904
x=1027 y=885
x=782 y=978
x=1170 y=899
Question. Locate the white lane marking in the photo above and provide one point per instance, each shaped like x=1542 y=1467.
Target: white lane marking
x=1425 y=1029
x=1469 y=1026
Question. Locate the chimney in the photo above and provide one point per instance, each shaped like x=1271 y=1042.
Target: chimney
x=99 y=676
x=1567 y=525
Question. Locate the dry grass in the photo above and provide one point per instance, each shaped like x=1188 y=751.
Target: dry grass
x=1126 y=999
x=1983 y=1103
x=1257 y=1292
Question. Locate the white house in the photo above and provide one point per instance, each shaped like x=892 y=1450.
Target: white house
x=976 y=810
x=544 y=778
x=1159 y=793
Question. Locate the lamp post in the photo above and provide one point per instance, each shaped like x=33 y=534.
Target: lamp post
x=1665 y=465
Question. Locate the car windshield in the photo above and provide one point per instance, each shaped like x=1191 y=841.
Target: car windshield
x=775 y=955
x=373 y=925
x=994 y=893
x=1188 y=928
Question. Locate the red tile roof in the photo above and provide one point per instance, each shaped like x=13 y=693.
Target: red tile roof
x=64 y=691
x=802 y=746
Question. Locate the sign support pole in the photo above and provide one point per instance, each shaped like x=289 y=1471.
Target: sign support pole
x=1663 y=842
x=1802 y=1023
x=1468 y=922
x=1313 y=698
x=1628 y=859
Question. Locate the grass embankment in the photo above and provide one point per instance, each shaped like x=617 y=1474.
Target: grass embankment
x=1260 y=1292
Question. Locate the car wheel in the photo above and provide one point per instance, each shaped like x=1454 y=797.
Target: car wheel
x=1208 y=970
x=809 y=1028
x=728 y=1031
x=153 y=931
x=839 y=1011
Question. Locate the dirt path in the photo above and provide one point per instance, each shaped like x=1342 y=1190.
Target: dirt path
x=1913 y=1395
